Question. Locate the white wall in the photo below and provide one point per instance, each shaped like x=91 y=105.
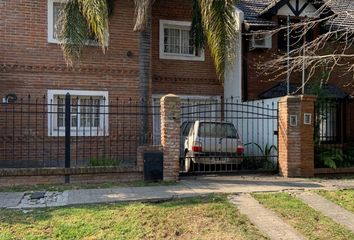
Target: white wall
x=309 y=11
x=256 y=122
x=233 y=71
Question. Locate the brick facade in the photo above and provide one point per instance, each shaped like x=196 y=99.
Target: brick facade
x=31 y=65
x=179 y=76
x=259 y=82
x=12 y=177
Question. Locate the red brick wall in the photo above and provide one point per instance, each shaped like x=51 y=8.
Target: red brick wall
x=259 y=78
x=74 y=179
x=29 y=64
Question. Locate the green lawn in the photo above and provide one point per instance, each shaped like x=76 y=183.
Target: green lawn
x=306 y=220
x=344 y=198
x=210 y=217
x=63 y=187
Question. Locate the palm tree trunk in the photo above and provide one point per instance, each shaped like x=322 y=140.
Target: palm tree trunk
x=144 y=77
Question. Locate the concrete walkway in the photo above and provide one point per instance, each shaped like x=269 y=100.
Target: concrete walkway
x=10 y=199
x=188 y=187
x=265 y=220
x=329 y=209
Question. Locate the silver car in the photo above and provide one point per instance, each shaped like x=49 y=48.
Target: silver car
x=212 y=142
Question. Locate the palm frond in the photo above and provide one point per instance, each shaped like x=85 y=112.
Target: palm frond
x=96 y=14
x=73 y=31
x=197 y=30
x=142 y=11
x=220 y=27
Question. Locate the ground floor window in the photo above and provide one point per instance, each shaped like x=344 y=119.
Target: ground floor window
x=88 y=114
x=198 y=107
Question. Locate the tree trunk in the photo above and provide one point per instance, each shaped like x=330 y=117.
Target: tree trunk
x=144 y=78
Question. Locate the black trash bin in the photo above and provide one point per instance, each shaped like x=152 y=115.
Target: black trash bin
x=153 y=166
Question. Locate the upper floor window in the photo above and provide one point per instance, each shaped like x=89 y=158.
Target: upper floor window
x=176 y=42
x=54 y=9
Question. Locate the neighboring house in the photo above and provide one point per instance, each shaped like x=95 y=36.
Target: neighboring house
x=246 y=81
x=31 y=60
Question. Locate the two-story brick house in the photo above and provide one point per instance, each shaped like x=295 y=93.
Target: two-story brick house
x=31 y=60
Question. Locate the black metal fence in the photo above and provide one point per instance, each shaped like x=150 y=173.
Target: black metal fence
x=73 y=131
x=229 y=136
x=331 y=148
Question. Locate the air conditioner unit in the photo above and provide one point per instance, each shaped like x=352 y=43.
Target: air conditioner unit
x=261 y=41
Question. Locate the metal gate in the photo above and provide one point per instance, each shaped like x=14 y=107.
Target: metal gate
x=229 y=136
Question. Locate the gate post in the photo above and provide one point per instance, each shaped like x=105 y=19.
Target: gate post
x=170 y=135
x=296 y=132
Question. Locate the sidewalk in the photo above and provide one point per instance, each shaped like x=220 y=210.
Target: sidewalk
x=187 y=187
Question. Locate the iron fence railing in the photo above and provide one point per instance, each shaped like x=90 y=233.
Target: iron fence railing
x=73 y=131
x=331 y=148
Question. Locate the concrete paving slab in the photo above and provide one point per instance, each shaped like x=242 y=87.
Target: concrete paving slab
x=265 y=220
x=329 y=209
x=89 y=196
x=10 y=199
x=249 y=181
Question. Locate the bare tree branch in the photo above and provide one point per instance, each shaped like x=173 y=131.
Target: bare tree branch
x=331 y=50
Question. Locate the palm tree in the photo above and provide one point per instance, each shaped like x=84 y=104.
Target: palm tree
x=214 y=24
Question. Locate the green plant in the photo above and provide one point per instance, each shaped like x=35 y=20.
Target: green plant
x=266 y=154
x=348 y=157
x=331 y=158
x=105 y=161
x=266 y=151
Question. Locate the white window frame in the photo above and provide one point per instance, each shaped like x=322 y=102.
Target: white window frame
x=55 y=131
x=50 y=16
x=176 y=56
x=156 y=130
x=50 y=19
x=267 y=41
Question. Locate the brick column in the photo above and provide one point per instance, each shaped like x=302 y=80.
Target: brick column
x=296 y=145
x=170 y=135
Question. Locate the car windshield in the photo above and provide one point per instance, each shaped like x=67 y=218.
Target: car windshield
x=217 y=130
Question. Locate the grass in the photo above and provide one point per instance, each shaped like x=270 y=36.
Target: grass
x=63 y=187
x=306 y=220
x=344 y=198
x=211 y=217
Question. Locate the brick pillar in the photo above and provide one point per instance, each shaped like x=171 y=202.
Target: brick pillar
x=170 y=135
x=296 y=145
